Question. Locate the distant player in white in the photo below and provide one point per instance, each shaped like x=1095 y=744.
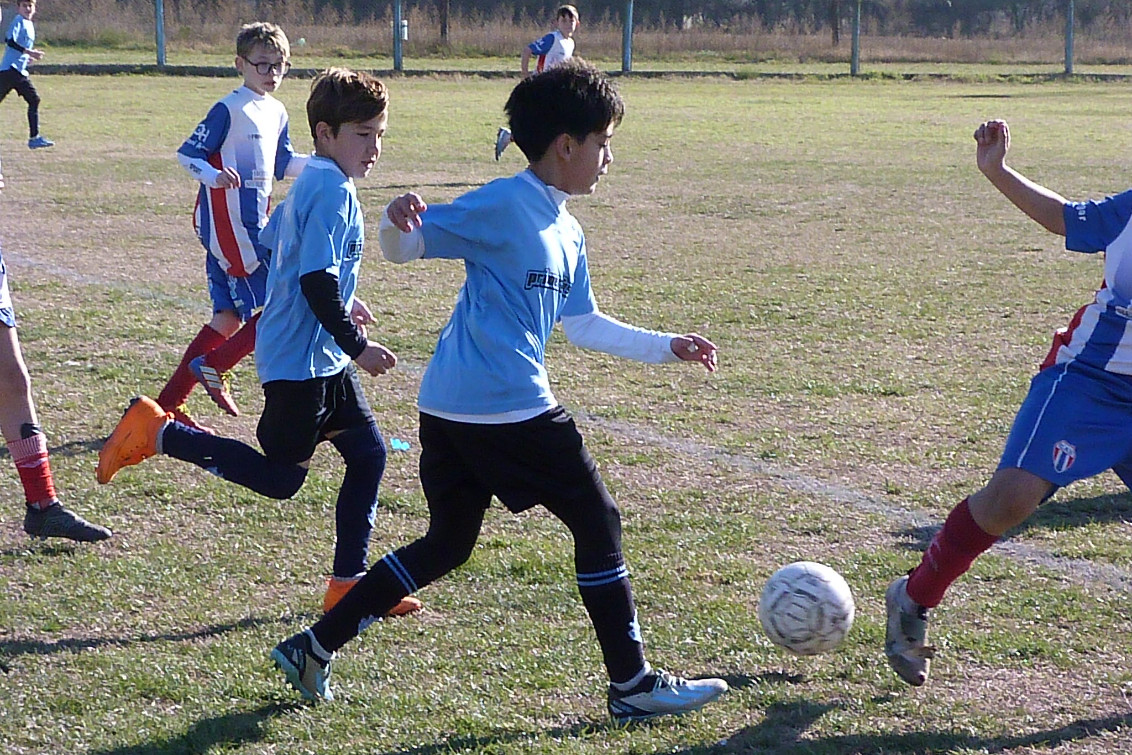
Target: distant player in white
x=549 y=50
x=1075 y=422
x=236 y=153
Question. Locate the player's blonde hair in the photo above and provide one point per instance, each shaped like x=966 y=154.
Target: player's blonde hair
x=263 y=34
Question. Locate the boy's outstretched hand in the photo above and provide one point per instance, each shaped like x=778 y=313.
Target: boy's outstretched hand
x=993 y=138
x=405 y=211
x=695 y=348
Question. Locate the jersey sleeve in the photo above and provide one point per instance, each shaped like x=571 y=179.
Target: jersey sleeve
x=20 y=34
x=450 y=230
x=209 y=134
x=285 y=156
x=542 y=45
x=580 y=300
x=1091 y=226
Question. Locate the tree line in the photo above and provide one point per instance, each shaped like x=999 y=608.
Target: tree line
x=946 y=18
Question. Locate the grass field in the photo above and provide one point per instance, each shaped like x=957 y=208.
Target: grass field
x=879 y=307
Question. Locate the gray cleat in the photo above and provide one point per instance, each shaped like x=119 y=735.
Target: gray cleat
x=905 y=636
x=57 y=521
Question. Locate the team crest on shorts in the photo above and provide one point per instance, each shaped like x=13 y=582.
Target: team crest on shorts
x=1064 y=454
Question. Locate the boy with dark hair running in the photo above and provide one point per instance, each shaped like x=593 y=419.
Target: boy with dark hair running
x=489 y=424
x=311 y=336
x=1075 y=422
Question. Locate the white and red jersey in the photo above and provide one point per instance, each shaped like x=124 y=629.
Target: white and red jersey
x=246 y=131
x=1100 y=334
x=550 y=50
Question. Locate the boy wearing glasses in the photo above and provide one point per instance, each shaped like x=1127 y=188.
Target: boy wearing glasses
x=235 y=152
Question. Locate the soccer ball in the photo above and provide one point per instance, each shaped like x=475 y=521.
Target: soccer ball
x=807 y=608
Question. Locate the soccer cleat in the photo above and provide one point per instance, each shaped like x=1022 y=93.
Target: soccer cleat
x=662 y=694
x=39 y=142
x=215 y=384
x=905 y=636
x=57 y=521
x=181 y=414
x=305 y=672
x=337 y=587
x=134 y=439
x=502 y=139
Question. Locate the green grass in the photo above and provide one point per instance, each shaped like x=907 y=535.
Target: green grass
x=879 y=309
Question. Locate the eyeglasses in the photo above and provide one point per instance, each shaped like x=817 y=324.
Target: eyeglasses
x=265 y=68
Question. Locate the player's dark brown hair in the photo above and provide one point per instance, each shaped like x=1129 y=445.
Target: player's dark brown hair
x=339 y=95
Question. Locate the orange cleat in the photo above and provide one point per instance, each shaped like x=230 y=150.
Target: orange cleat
x=134 y=439
x=336 y=589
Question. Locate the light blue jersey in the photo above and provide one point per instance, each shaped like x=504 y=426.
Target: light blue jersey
x=525 y=259
x=22 y=32
x=318 y=227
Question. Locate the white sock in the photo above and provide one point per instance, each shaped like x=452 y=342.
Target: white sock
x=318 y=650
x=626 y=686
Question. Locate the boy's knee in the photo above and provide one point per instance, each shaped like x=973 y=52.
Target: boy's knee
x=362 y=445
x=284 y=483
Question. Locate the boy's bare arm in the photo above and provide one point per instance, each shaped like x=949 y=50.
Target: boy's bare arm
x=525 y=62
x=1044 y=205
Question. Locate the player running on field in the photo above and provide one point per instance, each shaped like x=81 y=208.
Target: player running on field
x=489 y=424
x=312 y=334
x=1075 y=422
x=549 y=50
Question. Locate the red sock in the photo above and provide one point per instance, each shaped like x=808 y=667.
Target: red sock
x=181 y=384
x=30 y=457
x=228 y=354
x=951 y=553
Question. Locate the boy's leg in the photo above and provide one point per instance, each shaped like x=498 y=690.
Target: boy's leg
x=1065 y=430
x=457 y=501
x=44 y=515
x=238 y=299
x=209 y=368
x=145 y=431
x=181 y=382
x=8 y=79
x=27 y=90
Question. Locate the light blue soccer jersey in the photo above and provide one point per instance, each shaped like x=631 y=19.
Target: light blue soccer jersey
x=22 y=32
x=318 y=227
x=525 y=259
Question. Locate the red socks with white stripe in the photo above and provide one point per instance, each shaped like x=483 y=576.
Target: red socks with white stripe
x=30 y=457
x=950 y=554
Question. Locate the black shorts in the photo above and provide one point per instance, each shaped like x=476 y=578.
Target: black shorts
x=523 y=464
x=299 y=414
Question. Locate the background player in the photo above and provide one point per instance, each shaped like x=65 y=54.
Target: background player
x=235 y=152
x=551 y=49
x=19 y=51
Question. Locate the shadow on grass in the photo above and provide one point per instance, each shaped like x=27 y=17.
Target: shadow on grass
x=779 y=733
x=222 y=732
x=74 y=448
x=1054 y=515
x=12 y=648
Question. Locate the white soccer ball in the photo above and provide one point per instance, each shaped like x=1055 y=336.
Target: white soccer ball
x=807 y=608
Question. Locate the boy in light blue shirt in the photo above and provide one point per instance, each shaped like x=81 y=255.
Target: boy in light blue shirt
x=489 y=423
x=19 y=50
x=310 y=336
